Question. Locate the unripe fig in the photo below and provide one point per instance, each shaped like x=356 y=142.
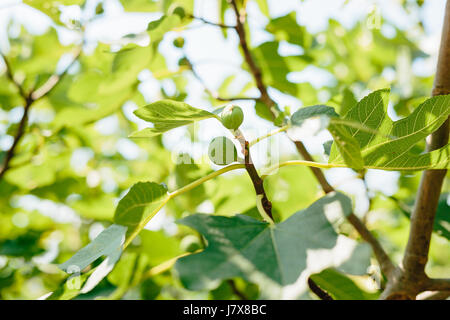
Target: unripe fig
x=184 y=62
x=222 y=151
x=232 y=117
x=178 y=42
x=99 y=9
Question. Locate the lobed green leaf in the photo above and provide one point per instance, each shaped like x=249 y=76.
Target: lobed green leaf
x=167 y=115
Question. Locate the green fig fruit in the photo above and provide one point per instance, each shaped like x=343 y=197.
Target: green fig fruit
x=222 y=151
x=184 y=62
x=232 y=117
x=178 y=42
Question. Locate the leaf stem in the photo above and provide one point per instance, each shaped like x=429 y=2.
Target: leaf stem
x=272 y=133
x=176 y=193
x=210 y=176
x=262 y=212
x=166 y=265
x=144 y=222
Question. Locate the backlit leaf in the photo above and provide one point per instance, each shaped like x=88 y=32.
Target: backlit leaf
x=167 y=115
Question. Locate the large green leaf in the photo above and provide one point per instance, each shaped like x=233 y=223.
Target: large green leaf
x=132 y=59
x=275 y=68
x=347 y=145
x=271 y=256
x=158 y=28
x=109 y=244
x=142 y=197
x=104 y=244
x=286 y=28
x=389 y=146
x=167 y=115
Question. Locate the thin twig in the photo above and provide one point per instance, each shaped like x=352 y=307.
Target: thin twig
x=212 y=93
x=326 y=187
x=386 y=265
x=54 y=80
x=29 y=98
x=220 y=25
x=258 y=183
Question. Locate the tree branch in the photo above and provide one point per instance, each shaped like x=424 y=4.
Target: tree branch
x=423 y=215
x=30 y=98
x=386 y=265
x=258 y=183
x=326 y=187
x=255 y=70
x=438 y=285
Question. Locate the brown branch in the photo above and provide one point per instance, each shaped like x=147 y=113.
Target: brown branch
x=258 y=183
x=386 y=264
x=320 y=177
x=322 y=294
x=411 y=279
x=255 y=70
x=10 y=76
x=19 y=133
x=30 y=98
x=423 y=215
x=438 y=285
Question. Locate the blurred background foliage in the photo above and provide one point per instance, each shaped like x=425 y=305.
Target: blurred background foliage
x=75 y=161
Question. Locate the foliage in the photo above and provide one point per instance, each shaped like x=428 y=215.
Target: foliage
x=107 y=188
